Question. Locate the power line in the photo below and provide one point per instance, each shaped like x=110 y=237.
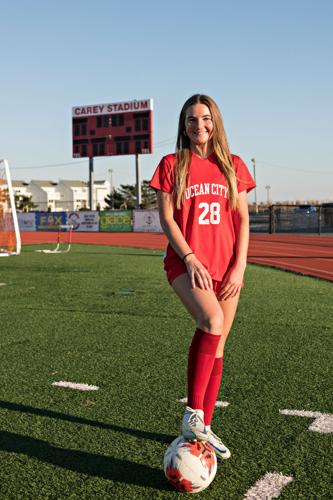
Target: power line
x=159 y=145
x=77 y=163
x=284 y=167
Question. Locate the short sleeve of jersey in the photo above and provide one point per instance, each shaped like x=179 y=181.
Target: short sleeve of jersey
x=163 y=176
x=244 y=179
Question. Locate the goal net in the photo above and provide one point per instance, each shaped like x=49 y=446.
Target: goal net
x=64 y=240
x=10 y=240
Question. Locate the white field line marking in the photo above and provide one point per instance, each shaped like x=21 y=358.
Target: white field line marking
x=78 y=387
x=323 y=422
x=218 y=404
x=294 y=267
x=269 y=486
x=3 y=284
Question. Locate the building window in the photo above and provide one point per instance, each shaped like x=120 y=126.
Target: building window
x=80 y=126
x=122 y=148
x=117 y=120
x=98 y=149
x=137 y=125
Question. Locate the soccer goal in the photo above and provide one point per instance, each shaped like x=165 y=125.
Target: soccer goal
x=64 y=240
x=10 y=239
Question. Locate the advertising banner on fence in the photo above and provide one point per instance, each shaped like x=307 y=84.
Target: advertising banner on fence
x=50 y=221
x=115 y=220
x=83 y=221
x=147 y=221
x=27 y=221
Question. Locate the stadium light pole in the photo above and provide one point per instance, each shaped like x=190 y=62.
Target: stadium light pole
x=91 y=183
x=268 y=188
x=138 y=182
x=110 y=171
x=255 y=189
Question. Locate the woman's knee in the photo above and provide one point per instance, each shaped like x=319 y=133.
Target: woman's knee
x=212 y=323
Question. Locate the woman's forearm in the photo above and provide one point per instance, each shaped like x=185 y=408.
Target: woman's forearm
x=242 y=241
x=175 y=237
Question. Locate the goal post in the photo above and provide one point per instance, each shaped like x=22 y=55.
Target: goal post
x=10 y=239
x=63 y=243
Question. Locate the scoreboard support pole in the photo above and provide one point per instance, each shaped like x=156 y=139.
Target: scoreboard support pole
x=91 y=183
x=138 y=182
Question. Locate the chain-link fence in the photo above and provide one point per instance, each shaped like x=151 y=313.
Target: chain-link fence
x=293 y=219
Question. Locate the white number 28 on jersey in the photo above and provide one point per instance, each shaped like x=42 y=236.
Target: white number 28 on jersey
x=210 y=213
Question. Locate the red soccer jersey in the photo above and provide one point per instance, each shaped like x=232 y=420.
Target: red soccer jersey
x=205 y=218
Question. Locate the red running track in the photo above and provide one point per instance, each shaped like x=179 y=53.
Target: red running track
x=306 y=254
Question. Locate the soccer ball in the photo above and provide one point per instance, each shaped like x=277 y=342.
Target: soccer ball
x=190 y=465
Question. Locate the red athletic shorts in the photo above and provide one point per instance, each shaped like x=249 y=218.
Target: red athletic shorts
x=174 y=267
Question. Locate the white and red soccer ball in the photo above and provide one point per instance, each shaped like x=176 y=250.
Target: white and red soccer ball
x=190 y=465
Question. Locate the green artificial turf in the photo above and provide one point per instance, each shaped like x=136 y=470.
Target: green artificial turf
x=107 y=316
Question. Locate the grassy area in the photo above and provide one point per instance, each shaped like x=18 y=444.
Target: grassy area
x=106 y=316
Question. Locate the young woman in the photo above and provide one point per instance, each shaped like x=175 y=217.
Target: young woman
x=202 y=199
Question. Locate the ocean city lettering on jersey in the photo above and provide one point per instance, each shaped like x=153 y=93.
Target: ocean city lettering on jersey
x=206 y=188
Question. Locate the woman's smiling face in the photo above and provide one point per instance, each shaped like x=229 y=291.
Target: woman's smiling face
x=198 y=124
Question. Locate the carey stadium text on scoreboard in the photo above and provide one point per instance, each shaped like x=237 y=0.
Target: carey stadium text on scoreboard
x=118 y=128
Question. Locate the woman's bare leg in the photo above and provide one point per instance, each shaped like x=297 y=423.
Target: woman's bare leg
x=229 y=308
x=201 y=304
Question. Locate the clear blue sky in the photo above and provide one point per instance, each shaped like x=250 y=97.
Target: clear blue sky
x=268 y=65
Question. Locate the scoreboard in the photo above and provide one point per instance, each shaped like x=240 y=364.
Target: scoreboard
x=120 y=128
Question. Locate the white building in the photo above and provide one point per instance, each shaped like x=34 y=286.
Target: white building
x=21 y=188
x=45 y=195
x=65 y=195
x=73 y=194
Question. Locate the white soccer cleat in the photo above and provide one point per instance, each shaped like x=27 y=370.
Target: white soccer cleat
x=193 y=425
x=220 y=449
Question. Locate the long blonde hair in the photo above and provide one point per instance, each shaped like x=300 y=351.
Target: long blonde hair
x=219 y=145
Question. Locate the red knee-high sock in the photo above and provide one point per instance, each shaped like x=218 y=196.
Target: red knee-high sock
x=200 y=364
x=212 y=390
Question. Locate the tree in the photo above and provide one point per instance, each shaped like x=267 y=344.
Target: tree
x=115 y=200
x=24 y=203
x=149 y=199
x=125 y=197
x=128 y=193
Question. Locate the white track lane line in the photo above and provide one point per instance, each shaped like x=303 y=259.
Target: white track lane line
x=269 y=486
x=255 y=260
x=293 y=254
x=78 y=387
x=271 y=247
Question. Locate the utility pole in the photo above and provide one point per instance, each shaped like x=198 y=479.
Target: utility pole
x=255 y=189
